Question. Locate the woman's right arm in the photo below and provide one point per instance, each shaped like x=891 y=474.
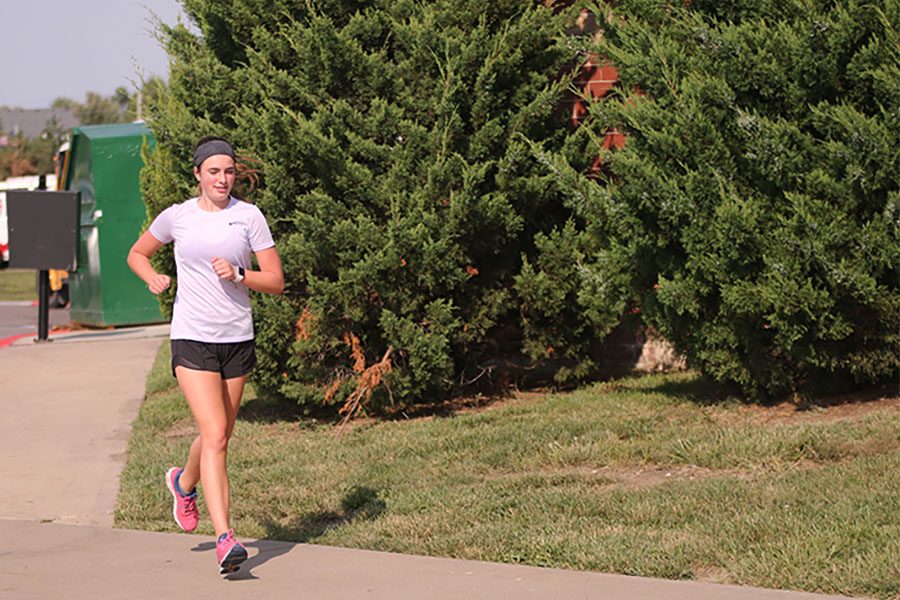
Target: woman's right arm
x=139 y=261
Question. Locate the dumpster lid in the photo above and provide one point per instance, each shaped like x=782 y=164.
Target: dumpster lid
x=116 y=130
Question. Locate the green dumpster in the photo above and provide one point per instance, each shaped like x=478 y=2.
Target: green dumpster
x=104 y=164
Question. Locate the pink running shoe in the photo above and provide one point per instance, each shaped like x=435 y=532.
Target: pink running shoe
x=230 y=553
x=184 y=508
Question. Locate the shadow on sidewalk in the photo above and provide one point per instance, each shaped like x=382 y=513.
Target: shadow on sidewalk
x=360 y=503
x=266 y=551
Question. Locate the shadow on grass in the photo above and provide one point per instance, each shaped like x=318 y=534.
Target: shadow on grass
x=276 y=410
x=703 y=391
x=447 y=408
x=697 y=390
x=360 y=504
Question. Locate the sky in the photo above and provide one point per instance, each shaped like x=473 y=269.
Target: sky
x=56 y=48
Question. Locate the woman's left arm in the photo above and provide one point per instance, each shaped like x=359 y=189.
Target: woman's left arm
x=269 y=279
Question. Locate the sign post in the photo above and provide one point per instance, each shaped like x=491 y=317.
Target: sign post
x=43 y=235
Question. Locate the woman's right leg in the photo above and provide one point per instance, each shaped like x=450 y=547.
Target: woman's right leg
x=203 y=391
x=232 y=390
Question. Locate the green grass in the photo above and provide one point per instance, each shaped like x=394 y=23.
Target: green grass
x=650 y=476
x=17 y=284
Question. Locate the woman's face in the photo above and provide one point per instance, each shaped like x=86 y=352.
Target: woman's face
x=216 y=177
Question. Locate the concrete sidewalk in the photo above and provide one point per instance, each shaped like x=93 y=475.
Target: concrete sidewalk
x=66 y=561
x=66 y=411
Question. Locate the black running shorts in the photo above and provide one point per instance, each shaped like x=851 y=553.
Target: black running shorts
x=229 y=360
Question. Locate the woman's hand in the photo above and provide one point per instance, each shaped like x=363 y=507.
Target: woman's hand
x=159 y=283
x=223 y=269
x=269 y=279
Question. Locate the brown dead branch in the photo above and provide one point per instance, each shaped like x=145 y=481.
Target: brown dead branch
x=304 y=324
x=332 y=389
x=369 y=379
x=359 y=357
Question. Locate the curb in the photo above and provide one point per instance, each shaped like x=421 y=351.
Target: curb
x=9 y=341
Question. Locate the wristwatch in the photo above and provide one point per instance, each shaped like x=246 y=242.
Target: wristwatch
x=239 y=277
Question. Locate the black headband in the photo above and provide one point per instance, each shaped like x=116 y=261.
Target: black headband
x=211 y=148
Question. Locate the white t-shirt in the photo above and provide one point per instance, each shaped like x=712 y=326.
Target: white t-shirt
x=209 y=309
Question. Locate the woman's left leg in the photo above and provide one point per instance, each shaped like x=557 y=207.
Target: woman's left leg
x=232 y=390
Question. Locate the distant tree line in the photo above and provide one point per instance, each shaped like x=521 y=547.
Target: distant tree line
x=20 y=155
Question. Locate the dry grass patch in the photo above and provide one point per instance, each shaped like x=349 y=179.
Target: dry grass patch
x=185 y=427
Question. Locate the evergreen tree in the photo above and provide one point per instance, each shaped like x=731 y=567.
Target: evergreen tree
x=396 y=175
x=753 y=215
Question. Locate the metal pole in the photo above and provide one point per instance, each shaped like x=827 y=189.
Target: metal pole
x=43 y=306
x=43 y=290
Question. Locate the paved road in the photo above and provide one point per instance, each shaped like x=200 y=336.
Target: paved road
x=21 y=317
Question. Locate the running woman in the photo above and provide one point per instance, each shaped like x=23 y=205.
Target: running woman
x=212 y=336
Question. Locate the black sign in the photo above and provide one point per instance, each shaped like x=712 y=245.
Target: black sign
x=43 y=229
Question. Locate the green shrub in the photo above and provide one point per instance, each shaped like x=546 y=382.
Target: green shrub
x=753 y=215
x=396 y=174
